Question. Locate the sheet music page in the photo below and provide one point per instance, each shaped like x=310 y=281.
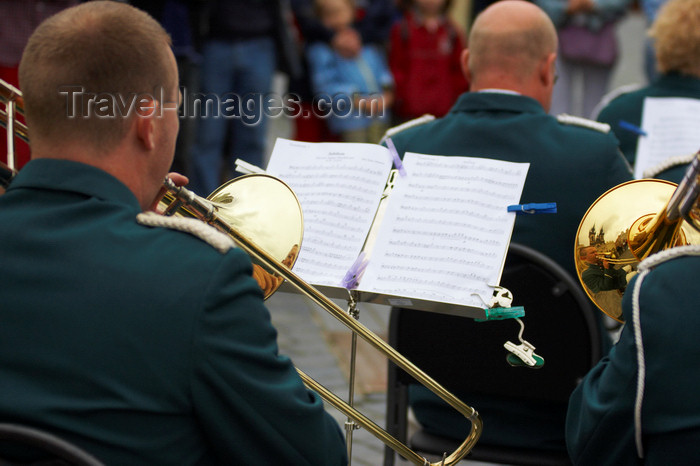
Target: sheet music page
x=671 y=125
x=446 y=229
x=339 y=186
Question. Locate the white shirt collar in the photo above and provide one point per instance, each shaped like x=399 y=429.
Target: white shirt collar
x=500 y=91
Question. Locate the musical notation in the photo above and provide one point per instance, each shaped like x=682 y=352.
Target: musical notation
x=471 y=179
x=430 y=258
x=407 y=271
x=671 y=125
x=497 y=194
x=443 y=235
x=339 y=187
x=439 y=209
x=452 y=222
x=435 y=246
x=446 y=229
x=443 y=284
x=471 y=165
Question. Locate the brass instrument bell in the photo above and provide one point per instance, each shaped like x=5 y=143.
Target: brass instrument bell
x=263 y=207
x=627 y=224
x=252 y=206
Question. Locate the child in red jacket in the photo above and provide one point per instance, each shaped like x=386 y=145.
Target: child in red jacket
x=424 y=59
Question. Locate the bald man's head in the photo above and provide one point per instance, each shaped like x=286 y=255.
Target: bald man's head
x=511 y=36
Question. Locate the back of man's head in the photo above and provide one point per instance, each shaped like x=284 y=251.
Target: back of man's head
x=676 y=33
x=102 y=49
x=508 y=41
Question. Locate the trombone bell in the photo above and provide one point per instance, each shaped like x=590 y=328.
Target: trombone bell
x=180 y=201
x=263 y=207
x=255 y=206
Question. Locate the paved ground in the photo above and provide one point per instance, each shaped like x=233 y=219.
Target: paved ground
x=306 y=333
x=319 y=345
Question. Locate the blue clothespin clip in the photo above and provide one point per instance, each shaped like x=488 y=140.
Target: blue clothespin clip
x=534 y=208
x=395 y=155
x=633 y=128
x=352 y=277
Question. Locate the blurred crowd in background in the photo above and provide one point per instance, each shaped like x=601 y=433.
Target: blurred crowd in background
x=352 y=68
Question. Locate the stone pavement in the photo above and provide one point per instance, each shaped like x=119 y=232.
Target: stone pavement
x=319 y=345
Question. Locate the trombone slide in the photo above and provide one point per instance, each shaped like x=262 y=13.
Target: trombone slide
x=183 y=200
x=196 y=205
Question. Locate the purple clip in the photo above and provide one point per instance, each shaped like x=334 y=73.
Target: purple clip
x=395 y=156
x=352 y=278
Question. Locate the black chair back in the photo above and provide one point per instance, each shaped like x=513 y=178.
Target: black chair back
x=463 y=354
x=46 y=448
x=468 y=356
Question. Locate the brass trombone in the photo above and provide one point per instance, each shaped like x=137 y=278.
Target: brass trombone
x=639 y=218
x=12 y=97
x=215 y=211
x=608 y=257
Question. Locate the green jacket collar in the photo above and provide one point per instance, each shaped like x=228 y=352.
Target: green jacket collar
x=493 y=101
x=677 y=81
x=66 y=175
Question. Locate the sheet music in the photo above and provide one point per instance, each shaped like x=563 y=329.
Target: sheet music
x=339 y=186
x=671 y=125
x=446 y=229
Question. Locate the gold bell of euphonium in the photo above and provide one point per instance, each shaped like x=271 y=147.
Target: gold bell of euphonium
x=627 y=224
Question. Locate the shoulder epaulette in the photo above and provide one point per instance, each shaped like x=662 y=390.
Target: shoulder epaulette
x=583 y=122
x=408 y=124
x=612 y=95
x=670 y=162
x=220 y=241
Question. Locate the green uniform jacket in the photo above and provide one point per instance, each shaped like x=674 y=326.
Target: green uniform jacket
x=600 y=427
x=599 y=279
x=570 y=165
x=628 y=107
x=145 y=346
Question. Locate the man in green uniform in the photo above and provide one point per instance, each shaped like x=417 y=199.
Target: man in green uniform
x=601 y=276
x=142 y=344
x=572 y=160
x=676 y=33
x=510 y=65
x=641 y=400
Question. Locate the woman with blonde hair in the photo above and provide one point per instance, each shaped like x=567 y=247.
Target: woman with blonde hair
x=676 y=35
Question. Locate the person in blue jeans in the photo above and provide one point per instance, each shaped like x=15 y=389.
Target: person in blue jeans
x=243 y=47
